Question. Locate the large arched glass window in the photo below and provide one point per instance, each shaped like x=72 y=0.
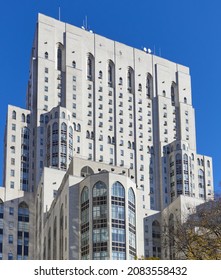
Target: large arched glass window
x=85 y=223
x=179 y=177
x=63 y=146
x=118 y=221
x=186 y=174
x=48 y=146
x=70 y=142
x=99 y=215
x=23 y=231
x=55 y=144
x=132 y=223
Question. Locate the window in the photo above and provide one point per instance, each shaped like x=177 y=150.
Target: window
x=46 y=55
x=12 y=185
x=10 y=239
x=12 y=172
x=59 y=58
x=46 y=98
x=10 y=256
x=73 y=64
x=13 y=126
x=110 y=73
x=46 y=70
x=11 y=211
x=14 y=115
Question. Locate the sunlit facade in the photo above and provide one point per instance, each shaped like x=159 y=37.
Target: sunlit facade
x=113 y=107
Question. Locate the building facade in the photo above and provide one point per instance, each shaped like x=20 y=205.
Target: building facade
x=104 y=102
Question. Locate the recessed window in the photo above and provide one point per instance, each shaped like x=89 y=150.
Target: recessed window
x=46 y=55
x=13 y=126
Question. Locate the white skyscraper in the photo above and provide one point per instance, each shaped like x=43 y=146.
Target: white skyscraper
x=112 y=107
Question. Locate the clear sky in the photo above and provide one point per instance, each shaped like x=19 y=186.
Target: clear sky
x=185 y=31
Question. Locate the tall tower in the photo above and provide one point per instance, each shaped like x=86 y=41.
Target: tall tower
x=103 y=101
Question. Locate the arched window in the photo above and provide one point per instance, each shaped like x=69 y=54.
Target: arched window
x=85 y=195
x=99 y=189
x=13 y=115
x=129 y=144
x=117 y=190
x=185 y=100
x=73 y=64
x=63 y=115
x=85 y=223
x=46 y=55
x=192 y=156
x=78 y=127
x=55 y=144
x=108 y=139
x=100 y=76
x=59 y=58
x=23 y=117
x=23 y=232
x=86 y=171
x=120 y=81
x=208 y=163
x=139 y=87
x=87 y=134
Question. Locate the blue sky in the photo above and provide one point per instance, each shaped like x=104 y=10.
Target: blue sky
x=184 y=31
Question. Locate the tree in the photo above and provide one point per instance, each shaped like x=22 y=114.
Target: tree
x=199 y=237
